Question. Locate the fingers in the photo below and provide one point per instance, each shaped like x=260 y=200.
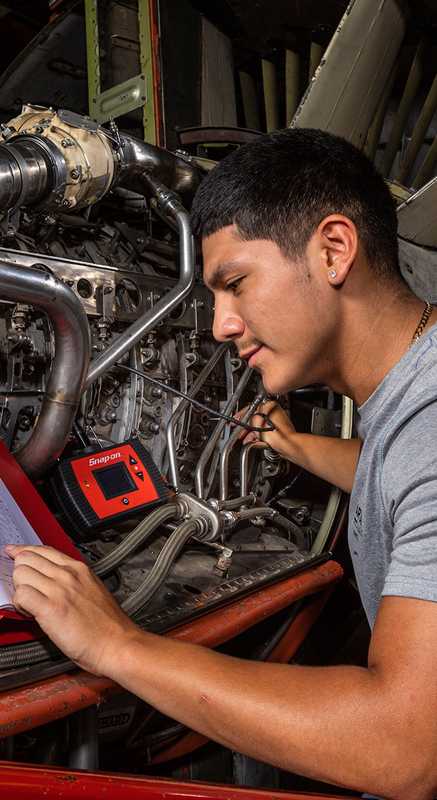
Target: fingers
x=25 y=575
x=48 y=553
x=43 y=568
x=44 y=574
x=29 y=601
x=258 y=420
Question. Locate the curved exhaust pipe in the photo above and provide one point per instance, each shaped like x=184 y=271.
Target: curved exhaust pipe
x=139 y=158
x=70 y=363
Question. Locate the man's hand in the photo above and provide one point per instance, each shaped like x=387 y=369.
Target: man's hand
x=279 y=439
x=71 y=606
x=332 y=459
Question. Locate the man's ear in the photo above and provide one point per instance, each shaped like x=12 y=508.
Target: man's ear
x=338 y=243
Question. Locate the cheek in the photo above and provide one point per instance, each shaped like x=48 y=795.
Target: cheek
x=268 y=305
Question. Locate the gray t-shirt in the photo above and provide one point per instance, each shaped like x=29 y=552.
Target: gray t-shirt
x=393 y=506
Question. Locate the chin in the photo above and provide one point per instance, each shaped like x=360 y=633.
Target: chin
x=278 y=385
x=281 y=383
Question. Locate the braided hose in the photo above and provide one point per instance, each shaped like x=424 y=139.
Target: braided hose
x=161 y=567
x=135 y=538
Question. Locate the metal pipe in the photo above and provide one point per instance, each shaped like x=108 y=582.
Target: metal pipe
x=139 y=158
x=244 y=464
x=419 y=133
x=72 y=352
x=217 y=432
x=129 y=338
x=229 y=446
x=408 y=97
x=198 y=383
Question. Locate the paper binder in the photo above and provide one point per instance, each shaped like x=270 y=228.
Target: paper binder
x=15 y=627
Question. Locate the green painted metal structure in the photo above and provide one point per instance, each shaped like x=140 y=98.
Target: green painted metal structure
x=136 y=92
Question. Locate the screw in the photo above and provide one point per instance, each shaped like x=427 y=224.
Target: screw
x=75 y=174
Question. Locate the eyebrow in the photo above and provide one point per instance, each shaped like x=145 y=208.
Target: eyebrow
x=220 y=273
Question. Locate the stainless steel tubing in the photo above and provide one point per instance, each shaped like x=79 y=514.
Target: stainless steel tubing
x=138 y=157
x=162 y=565
x=198 y=383
x=136 y=538
x=229 y=446
x=244 y=465
x=217 y=432
x=72 y=352
x=170 y=205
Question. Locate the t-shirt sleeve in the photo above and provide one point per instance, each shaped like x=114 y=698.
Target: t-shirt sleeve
x=409 y=490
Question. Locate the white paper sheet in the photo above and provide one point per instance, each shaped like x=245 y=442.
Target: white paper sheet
x=14 y=529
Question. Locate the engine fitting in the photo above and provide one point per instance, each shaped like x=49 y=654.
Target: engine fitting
x=62 y=161
x=59 y=160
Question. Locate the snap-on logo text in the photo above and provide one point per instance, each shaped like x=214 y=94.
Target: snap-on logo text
x=104 y=459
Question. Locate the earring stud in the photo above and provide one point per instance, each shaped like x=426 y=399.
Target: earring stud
x=332 y=273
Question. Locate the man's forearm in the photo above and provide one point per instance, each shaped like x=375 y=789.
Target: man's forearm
x=331 y=724
x=372 y=729
x=335 y=460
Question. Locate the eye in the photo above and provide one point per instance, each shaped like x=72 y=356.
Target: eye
x=233 y=286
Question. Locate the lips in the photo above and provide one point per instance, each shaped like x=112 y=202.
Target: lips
x=248 y=355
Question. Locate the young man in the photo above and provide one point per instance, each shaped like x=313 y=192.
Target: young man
x=300 y=250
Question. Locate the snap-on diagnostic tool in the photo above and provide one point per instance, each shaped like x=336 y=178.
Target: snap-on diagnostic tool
x=108 y=485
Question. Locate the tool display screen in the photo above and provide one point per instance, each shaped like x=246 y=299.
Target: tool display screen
x=114 y=480
x=108 y=484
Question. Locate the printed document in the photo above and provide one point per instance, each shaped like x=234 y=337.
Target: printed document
x=14 y=529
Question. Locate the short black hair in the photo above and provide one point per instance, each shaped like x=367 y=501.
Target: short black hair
x=282 y=185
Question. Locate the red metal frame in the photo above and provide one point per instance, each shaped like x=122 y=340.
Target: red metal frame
x=27 y=782
x=284 y=651
x=26 y=708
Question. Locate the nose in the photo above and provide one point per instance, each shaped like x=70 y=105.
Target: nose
x=227 y=324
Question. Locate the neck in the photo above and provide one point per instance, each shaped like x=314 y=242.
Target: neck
x=373 y=337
